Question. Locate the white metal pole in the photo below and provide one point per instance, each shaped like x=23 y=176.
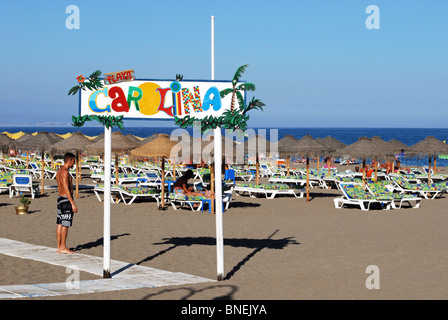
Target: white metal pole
x=218 y=177
x=107 y=200
x=213 y=46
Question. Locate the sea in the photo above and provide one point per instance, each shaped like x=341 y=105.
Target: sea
x=408 y=136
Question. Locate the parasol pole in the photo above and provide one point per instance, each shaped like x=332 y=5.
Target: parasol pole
x=218 y=172
x=77 y=174
x=435 y=166
x=307 y=178
x=257 y=179
x=107 y=195
x=376 y=170
x=174 y=171
x=42 y=173
x=116 y=169
x=429 y=169
x=163 y=183
x=363 y=172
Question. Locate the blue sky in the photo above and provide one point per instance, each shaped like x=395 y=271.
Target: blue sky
x=314 y=63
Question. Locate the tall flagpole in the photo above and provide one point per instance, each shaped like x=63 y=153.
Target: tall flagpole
x=218 y=176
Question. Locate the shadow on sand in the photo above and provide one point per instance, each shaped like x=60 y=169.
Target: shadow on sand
x=256 y=244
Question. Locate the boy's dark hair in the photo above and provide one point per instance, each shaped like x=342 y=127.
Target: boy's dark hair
x=68 y=156
x=189 y=173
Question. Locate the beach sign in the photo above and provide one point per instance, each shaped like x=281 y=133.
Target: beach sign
x=154 y=99
x=215 y=104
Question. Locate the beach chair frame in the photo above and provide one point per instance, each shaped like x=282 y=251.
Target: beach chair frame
x=23 y=183
x=115 y=196
x=269 y=193
x=377 y=190
x=418 y=188
x=177 y=202
x=363 y=203
x=128 y=195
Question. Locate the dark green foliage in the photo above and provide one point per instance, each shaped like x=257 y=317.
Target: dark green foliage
x=93 y=83
x=107 y=121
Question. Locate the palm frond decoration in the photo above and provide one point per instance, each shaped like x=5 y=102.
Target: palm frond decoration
x=93 y=83
x=242 y=87
x=254 y=104
x=239 y=72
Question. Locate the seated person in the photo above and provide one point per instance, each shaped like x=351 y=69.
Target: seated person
x=389 y=167
x=397 y=166
x=369 y=172
x=180 y=186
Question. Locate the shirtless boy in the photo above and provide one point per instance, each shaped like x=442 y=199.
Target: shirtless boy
x=66 y=204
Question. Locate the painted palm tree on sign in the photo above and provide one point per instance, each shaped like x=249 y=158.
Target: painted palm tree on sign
x=238 y=120
x=236 y=90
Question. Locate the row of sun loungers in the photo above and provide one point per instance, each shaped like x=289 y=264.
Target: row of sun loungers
x=389 y=192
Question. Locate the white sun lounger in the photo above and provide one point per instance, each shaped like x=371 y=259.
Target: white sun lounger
x=269 y=190
x=129 y=194
x=363 y=199
x=115 y=196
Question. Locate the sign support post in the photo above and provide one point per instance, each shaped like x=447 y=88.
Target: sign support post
x=107 y=195
x=218 y=176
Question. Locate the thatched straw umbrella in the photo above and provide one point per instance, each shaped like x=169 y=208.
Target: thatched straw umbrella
x=42 y=141
x=332 y=145
x=431 y=147
x=159 y=147
x=286 y=147
x=5 y=143
x=150 y=138
x=132 y=137
x=76 y=143
x=308 y=146
x=398 y=145
x=363 y=148
x=99 y=137
x=20 y=142
x=121 y=145
x=386 y=150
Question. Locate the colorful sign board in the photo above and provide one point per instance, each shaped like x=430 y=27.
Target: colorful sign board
x=157 y=99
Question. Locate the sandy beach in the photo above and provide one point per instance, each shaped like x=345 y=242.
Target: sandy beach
x=279 y=249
